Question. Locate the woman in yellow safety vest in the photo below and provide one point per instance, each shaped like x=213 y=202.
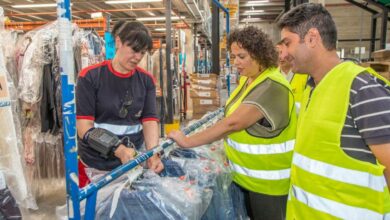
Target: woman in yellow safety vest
x=258 y=128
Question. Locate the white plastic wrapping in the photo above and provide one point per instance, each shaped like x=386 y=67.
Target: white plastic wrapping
x=39 y=49
x=10 y=139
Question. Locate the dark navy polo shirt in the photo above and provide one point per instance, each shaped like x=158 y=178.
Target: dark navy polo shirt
x=101 y=93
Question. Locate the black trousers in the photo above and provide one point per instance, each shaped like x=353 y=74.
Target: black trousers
x=264 y=207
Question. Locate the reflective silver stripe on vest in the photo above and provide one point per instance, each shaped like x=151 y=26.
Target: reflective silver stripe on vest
x=120 y=129
x=261 y=174
x=387 y=216
x=377 y=183
x=333 y=208
x=262 y=148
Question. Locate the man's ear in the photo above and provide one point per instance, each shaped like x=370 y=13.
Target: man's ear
x=313 y=37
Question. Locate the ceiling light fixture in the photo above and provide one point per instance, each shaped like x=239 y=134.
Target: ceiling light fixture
x=150 y=13
x=159 y=18
x=257 y=2
x=130 y=1
x=35 y=6
x=253 y=11
x=160 y=29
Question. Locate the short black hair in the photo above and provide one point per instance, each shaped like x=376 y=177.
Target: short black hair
x=257 y=43
x=133 y=34
x=310 y=15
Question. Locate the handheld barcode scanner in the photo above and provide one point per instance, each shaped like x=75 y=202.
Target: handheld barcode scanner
x=103 y=141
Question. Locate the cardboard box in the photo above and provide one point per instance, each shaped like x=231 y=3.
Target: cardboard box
x=201 y=105
x=212 y=83
x=202 y=87
x=195 y=93
x=378 y=66
x=385 y=75
x=203 y=76
x=381 y=55
x=197 y=116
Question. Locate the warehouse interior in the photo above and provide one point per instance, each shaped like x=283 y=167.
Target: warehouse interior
x=194 y=72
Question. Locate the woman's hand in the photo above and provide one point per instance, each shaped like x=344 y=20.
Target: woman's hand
x=180 y=139
x=124 y=153
x=155 y=164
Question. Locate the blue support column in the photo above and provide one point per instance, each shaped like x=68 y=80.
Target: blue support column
x=226 y=10
x=68 y=106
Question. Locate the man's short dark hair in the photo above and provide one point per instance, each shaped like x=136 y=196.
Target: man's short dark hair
x=133 y=34
x=309 y=15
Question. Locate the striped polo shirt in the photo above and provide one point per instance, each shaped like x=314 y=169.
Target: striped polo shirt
x=368 y=117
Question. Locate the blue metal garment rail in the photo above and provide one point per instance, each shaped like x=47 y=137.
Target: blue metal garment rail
x=89 y=192
x=226 y=10
x=68 y=106
x=74 y=194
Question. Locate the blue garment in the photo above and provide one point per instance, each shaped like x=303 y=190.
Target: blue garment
x=171 y=168
x=137 y=205
x=185 y=153
x=221 y=205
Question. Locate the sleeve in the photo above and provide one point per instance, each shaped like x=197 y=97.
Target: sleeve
x=149 y=112
x=370 y=108
x=85 y=98
x=272 y=100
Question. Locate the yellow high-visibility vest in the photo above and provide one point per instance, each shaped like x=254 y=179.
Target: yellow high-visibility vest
x=326 y=183
x=261 y=164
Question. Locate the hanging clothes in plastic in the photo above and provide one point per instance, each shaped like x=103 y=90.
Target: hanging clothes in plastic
x=88 y=48
x=39 y=90
x=11 y=146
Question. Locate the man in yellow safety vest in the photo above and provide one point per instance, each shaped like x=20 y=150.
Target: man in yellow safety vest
x=341 y=155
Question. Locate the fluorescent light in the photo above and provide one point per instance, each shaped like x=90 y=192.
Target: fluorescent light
x=150 y=13
x=160 y=29
x=97 y=15
x=35 y=6
x=253 y=11
x=257 y=2
x=130 y=1
x=159 y=18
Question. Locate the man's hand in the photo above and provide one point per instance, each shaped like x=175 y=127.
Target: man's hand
x=124 y=153
x=180 y=139
x=155 y=164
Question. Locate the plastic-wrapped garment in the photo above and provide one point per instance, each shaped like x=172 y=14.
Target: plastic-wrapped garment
x=10 y=141
x=37 y=48
x=155 y=197
x=49 y=116
x=207 y=167
x=88 y=48
x=9 y=53
x=38 y=53
x=49 y=158
x=104 y=192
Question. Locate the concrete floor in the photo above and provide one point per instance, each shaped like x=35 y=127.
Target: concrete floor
x=50 y=195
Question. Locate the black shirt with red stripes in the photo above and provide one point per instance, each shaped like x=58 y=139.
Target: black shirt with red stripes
x=101 y=93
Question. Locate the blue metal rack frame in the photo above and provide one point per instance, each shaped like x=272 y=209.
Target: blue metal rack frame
x=74 y=194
